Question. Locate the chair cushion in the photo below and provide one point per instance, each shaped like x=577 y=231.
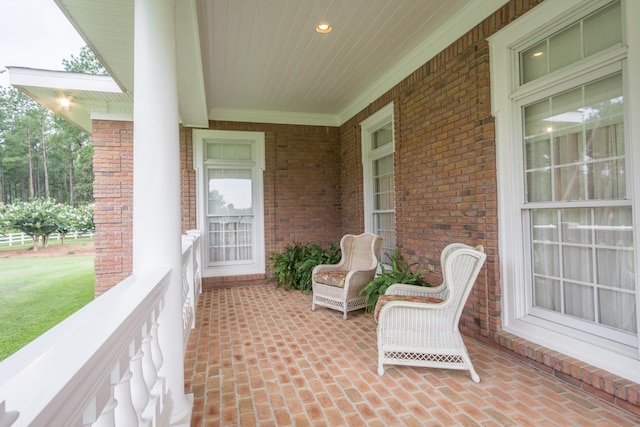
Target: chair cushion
x=383 y=299
x=331 y=278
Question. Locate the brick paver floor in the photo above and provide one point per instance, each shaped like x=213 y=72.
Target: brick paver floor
x=260 y=357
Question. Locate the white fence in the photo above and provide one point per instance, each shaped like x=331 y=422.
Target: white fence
x=15 y=239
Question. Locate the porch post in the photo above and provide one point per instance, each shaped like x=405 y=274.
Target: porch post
x=156 y=180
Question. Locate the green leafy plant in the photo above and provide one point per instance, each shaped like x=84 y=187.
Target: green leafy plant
x=315 y=255
x=292 y=268
x=400 y=272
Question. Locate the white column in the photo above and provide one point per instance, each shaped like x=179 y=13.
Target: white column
x=156 y=179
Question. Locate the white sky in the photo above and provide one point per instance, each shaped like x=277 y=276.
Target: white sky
x=35 y=34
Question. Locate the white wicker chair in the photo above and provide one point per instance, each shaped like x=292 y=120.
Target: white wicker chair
x=414 y=332
x=338 y=286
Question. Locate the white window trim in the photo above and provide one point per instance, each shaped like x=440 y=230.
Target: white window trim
x=368 y=126
x=199 y=135
x=624 y=361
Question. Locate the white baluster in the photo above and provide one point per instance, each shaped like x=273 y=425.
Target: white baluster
x=156 y=351
x=107 y=417
x=148 y=367
x=7 y=418
x=125 y=412
x=139 y=390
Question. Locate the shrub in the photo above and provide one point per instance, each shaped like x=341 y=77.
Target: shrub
x=293 y=267
x=400 y=272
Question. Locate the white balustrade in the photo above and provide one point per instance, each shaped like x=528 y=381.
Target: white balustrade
x=96 y=368
x=101 y=366
x=197 y=273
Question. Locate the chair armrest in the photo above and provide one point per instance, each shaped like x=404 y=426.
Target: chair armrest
x=404 y=289
x=359 y=278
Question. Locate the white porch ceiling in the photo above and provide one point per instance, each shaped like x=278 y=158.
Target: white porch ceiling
x=263 y=61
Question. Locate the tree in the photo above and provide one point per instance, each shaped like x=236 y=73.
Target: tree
x=37 y=218
x=86 y=62
x=42 y=155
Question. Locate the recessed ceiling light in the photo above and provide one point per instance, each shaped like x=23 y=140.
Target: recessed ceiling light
x=323 y=28
x=537 y=54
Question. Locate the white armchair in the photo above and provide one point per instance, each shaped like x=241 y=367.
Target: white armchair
x=418 y=326
x=338 y=286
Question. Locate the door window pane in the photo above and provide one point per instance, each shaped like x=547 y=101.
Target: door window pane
x=230 y=215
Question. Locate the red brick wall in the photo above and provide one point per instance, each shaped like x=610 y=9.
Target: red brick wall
x=113 y=193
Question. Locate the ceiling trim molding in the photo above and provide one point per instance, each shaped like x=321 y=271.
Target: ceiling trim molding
x=276 y=117
x=449 y=32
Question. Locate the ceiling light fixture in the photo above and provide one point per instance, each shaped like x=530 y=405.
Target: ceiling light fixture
x=324 y=28
x=537 y=54
x=65 y=103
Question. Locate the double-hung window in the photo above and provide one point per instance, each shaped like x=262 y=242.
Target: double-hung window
x=560 y=88
x=378 y=178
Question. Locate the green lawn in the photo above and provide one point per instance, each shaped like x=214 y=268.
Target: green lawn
x=38 y=293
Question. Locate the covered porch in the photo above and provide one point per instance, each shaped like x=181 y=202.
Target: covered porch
x=259 y=356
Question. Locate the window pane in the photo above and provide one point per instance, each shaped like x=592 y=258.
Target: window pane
x=547 y=294
x=579 y=301
x=576 y=225
x=545 y=225
x=546 y=260
x=595 y=246
x=382 y=136
x=534 y=62
x=593 y=34
x=539 y=186
x=603 y=29
x=230 y=191
x=230 y=239
x=228 y=151
x=384 y=226
x=618 y=310
x=565 y=48
x=576 y=263
x=614 y=226
x=566 y=115
x=536 y=117
x=383 y=183
x=570 y=183
x=587 y=144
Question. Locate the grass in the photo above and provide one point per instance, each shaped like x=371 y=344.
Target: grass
x=38 y=293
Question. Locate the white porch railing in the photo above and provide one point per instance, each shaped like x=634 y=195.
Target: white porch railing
x=191 y=281
x=102 y=365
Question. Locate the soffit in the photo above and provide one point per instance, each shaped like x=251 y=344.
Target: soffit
x=258 y=60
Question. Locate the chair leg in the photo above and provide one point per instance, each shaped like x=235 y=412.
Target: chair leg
x=344 y=316
x=474 y=376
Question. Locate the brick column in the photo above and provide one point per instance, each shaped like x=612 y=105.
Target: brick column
x=113 y=194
